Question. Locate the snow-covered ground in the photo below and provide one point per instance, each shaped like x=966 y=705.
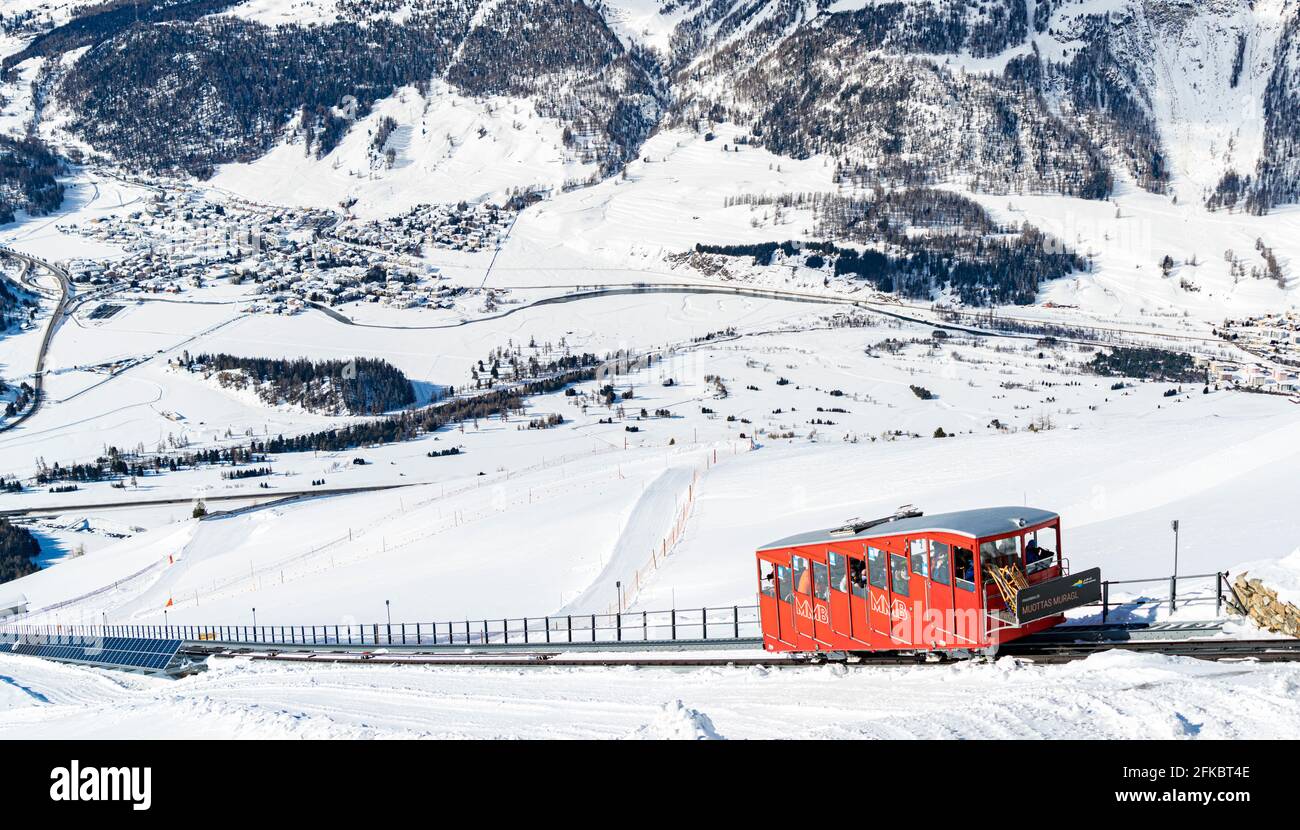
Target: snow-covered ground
x=1108 y=696
x=446 y=147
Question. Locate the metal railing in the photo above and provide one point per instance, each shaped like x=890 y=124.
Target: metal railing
x=1222 y=590
x=722 y=624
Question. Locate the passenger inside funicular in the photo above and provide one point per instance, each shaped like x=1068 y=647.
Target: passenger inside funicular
x=1040 y=549
x=858 y=574
x=1000 y=553
x=1038 y=546
x=966 y=565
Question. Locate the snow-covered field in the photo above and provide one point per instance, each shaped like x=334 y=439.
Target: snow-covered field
x=1109 y=696
x=1024 y=427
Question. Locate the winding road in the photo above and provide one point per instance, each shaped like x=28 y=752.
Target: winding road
x=65 y=292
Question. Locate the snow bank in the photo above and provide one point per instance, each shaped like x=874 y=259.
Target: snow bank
x=676 y=722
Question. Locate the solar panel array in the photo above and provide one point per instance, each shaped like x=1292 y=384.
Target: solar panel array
x=110 y=652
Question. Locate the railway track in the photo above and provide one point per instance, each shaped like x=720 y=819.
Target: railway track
x=1038 y=653
x=1207 y=648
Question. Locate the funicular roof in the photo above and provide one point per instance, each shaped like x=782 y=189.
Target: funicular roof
x=976 y=524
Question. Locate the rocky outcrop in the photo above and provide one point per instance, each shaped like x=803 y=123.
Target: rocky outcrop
x=1264 y=607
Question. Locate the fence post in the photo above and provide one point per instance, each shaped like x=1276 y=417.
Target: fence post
x=704 y=623
x=1173 y=593
x=735 y=620
x=618 y=625
x=673 y=623
x=548 y=629
x=645 y=626
x=593 y=628
x=1105 y=600
x=570 y=627
x=1218 y=594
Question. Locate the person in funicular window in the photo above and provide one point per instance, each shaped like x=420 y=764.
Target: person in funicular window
x=859 y=575
x=1032 y=552
x=805 y=581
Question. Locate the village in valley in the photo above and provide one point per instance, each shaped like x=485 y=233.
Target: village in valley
x=1275 y=340
x=186 y=239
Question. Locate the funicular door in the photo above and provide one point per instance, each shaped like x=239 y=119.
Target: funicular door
x=804 y=611
x=968 y=608
x=901 y=600
x=776 y=600
x=840 y=598
x=939 y=595
x=821 y=601
x=878 y=596
x=859 y=628
x=921 y=626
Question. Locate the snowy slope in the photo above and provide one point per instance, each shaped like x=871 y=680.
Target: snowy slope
x=447 y=147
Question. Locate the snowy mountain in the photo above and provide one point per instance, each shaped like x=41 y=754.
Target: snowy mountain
x=1193 y=99
x=1047 y=96
x=27 y=178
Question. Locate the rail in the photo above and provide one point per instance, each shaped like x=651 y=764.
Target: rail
x=700 y=625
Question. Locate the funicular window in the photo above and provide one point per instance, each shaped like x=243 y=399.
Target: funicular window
x=898 y=569
x=1040 y=549
x=767 y=579
x=821 y=581
x=965 y=559
x=784 y=584
x=839 y=576
x=1000 y=552
x=918 y=548
x=876 y=568
x=858 y=577
x=802 y=576
x=940 y=569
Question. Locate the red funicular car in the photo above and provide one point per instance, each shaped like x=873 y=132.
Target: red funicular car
x=952 y=582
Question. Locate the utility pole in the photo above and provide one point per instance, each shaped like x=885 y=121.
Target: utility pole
x=1173 y=582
